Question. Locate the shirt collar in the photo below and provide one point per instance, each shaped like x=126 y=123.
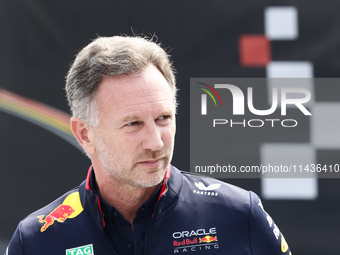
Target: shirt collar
x=170 y=190
x=107 y=209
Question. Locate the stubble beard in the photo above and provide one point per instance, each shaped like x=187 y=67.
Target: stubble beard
x=128 y=172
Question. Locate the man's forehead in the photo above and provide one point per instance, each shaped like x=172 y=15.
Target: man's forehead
x=150 y=81
x=130 y=97
x=115 y=93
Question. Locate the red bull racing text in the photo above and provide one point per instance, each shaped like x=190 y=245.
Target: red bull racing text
x=195 y=240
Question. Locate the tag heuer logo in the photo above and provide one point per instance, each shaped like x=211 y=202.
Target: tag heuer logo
x=83 y=250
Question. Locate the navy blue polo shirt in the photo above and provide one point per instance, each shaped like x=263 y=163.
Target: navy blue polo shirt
x=124 y=239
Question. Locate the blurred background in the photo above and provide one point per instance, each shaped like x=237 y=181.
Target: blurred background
x=237 y=38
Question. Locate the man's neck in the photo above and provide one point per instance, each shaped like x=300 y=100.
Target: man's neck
x=125 y=198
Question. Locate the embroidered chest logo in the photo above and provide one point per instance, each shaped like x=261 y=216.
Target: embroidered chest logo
x=195 y=240
x=70 y=208
x=206 y=191
x=83 y=250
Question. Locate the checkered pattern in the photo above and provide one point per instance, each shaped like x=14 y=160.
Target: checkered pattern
x=254 y=50
x=281 y=23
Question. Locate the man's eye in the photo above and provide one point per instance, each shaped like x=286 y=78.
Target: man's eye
x=134 y=123
x=164 y=117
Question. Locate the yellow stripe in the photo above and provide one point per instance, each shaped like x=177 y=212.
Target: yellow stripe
x=27 y=109
x=35 y=115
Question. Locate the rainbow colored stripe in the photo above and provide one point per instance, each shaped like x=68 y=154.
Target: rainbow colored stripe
x=38 y=113
x=215 y=92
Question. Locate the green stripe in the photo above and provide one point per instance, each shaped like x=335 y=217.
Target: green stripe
x=208 y=94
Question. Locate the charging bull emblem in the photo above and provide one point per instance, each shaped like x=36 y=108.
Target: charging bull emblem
x=70 y=208
x=61 y=213
x=208 y=239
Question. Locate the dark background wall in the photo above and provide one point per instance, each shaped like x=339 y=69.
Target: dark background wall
x=38 y=41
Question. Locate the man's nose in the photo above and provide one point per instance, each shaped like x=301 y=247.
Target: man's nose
x=152 y=138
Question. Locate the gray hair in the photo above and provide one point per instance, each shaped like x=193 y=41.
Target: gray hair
x=111 y=57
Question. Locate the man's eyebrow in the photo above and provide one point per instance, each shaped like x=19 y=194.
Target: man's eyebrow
x=134 y=117
x=129 y=118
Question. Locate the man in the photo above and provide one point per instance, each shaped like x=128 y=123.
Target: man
x=122 y=94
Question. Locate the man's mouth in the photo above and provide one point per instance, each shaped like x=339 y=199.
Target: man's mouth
x=151 y=163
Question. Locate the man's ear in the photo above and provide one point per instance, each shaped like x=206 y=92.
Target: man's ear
x=84 y=134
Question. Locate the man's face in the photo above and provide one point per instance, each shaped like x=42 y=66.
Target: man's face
x=135 y=137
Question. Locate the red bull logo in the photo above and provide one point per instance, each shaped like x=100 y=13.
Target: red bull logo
x=70 y=208
x=208 y=239
x=60 y=214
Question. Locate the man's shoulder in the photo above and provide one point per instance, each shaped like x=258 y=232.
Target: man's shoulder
x=213 y=183
x=60 y=225
x=58 y=210
x=212 y=190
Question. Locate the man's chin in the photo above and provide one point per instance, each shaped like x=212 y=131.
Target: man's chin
x=152 y=178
